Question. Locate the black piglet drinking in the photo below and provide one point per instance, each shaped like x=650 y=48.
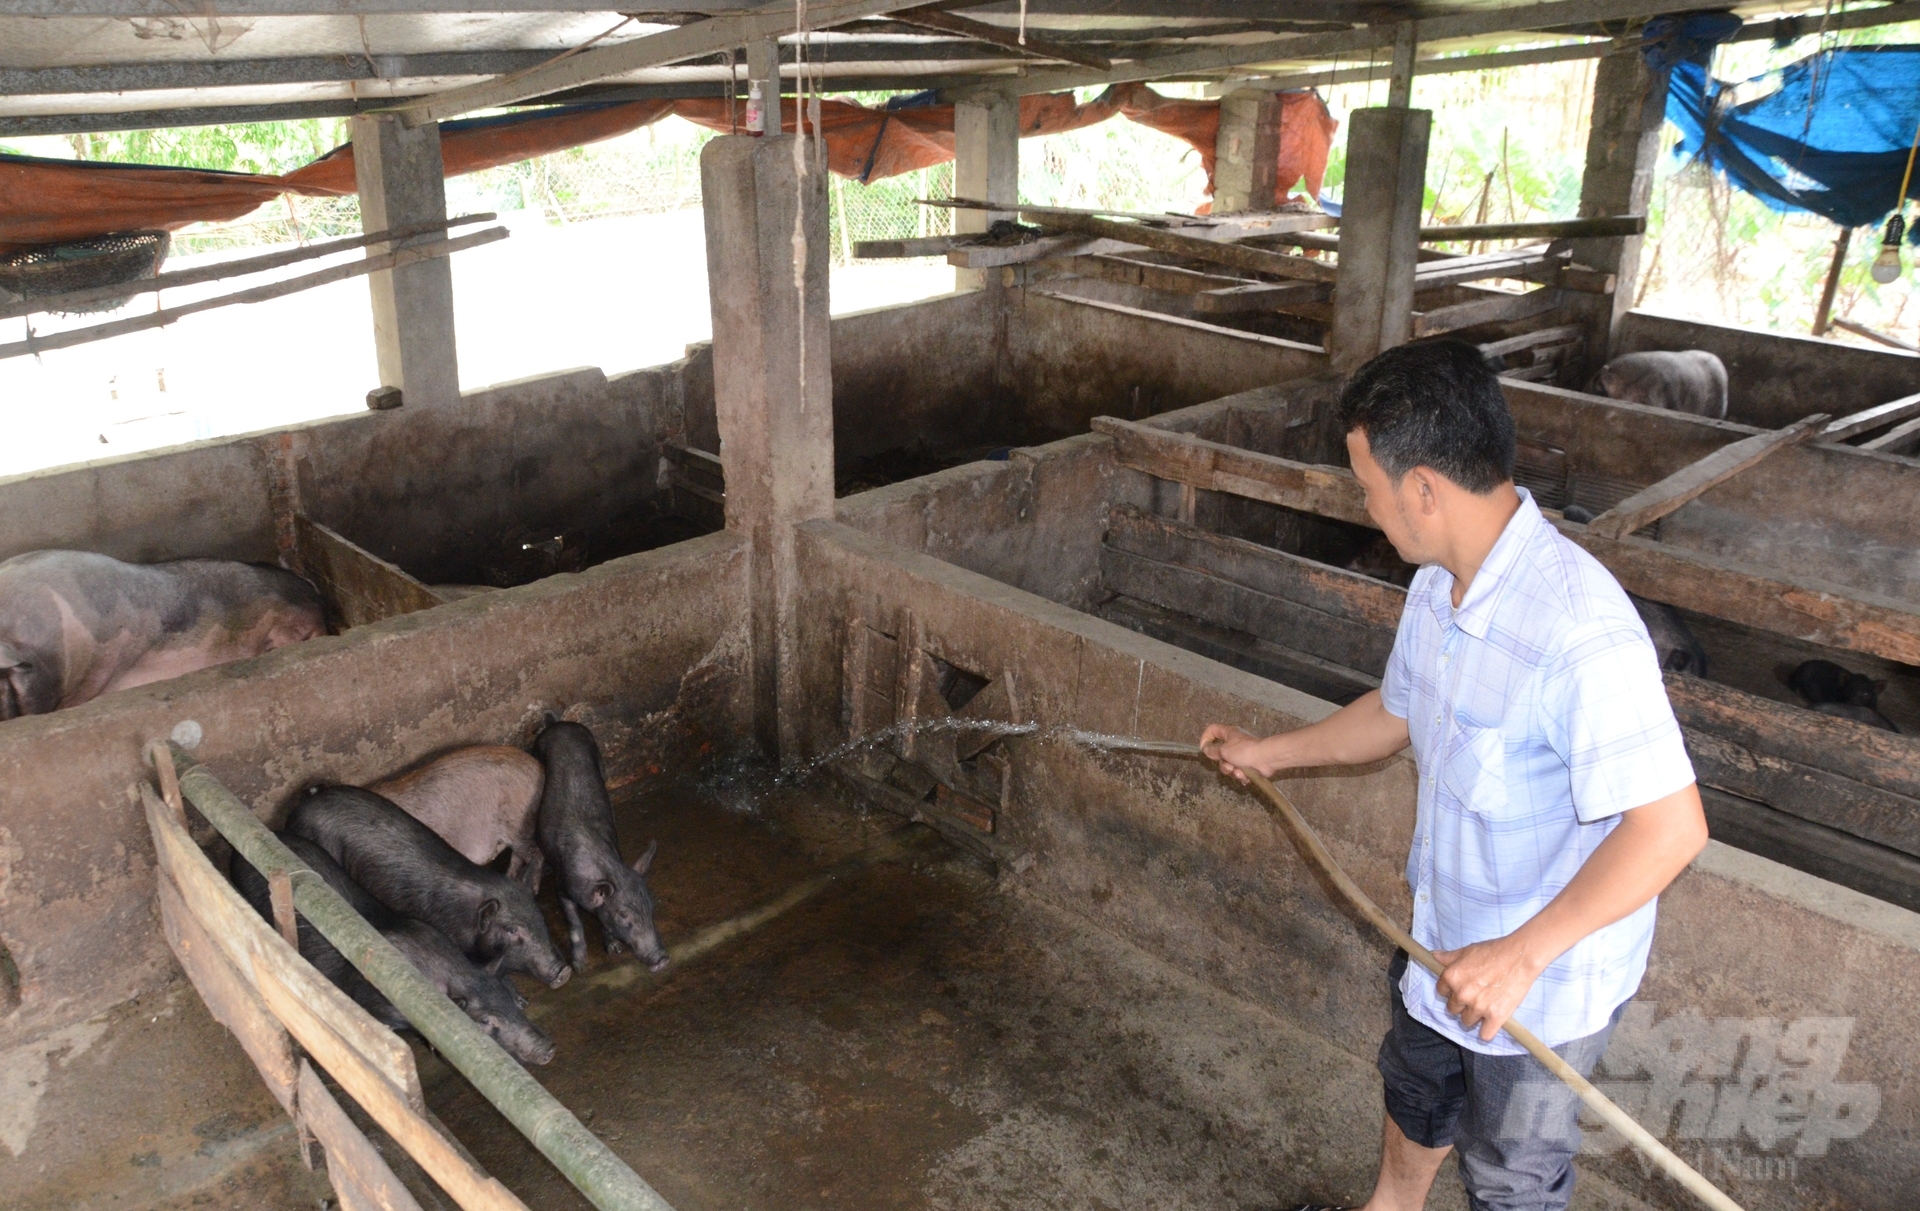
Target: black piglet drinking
x=577 y=836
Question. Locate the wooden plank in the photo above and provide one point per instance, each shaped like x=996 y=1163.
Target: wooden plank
x=1218 y=252
x=1583 y=279
x=1528 y=340
x=1498 y=307
x=1328 y=491
x=933 y=16
x=1892 y=342
x=1897 y=439
x=1602 y=227
x=1521 y=263
x=1854 y=424
x=1655 y=501
x=255 y=950
x=1886 y=874
x=1319 y=586
x=1885 y=760
x=1817 y=795
x=994 y=256
x=230 y=998
x=1303 y=671
x=1170 y=278
x=1224 y=603
x=362 y=586
x=472 y=1188
x=1261 y=296
x=1766 y=600
x=933 y=245
x=352 y=1160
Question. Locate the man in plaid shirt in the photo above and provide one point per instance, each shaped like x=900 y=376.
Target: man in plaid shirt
x=1555 y=802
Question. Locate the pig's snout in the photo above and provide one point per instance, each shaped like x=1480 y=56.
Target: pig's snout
x=537 y=1050
x=561 y=976
x=658 y=962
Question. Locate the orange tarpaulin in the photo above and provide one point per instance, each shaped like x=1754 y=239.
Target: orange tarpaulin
x=52 y=201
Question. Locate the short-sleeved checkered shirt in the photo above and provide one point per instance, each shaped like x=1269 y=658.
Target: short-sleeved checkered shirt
x=1537 y=716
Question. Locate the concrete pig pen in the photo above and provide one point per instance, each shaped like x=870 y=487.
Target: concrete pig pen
x=964 y=1007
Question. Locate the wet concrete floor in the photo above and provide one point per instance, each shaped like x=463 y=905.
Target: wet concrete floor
x=917 y=1035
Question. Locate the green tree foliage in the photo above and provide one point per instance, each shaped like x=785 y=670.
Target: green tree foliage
x=258 y=147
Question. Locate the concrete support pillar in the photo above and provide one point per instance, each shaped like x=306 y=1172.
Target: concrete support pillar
x=1379 y=234
x=773 y=388
x=1246 y=152
x=763 y=64
x=401 y=182
x=1400 y=82
x=1623 y=143
x=986 y=166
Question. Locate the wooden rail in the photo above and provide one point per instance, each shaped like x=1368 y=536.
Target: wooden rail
x=1655 y=501
x=1804 y=609
x=363 y=587
x=1833 y=772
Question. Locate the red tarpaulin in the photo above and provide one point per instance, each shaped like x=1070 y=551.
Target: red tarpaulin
x=53 y=201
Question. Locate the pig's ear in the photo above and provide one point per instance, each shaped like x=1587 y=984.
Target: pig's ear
x=598 y=894
x=489 y=908
x=644 y=863
x=496 y=963
x=10 y=657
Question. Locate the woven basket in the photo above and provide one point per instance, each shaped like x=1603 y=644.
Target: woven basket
x=107 y=260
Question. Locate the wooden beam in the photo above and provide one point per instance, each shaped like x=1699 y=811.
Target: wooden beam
x=1854 y=424
x=1835 y=772
x=1539 y=336
x=603 y=63
x=1585 y=279
x=932 y=16
x=255 y=294
x=1892 y=342
x=1803 y=609
x=1496 y=307
x=1169 y=278
x=1327 y=491
x=1218 y=252
x=933 y=245
x=1896 y=440
x=353 y=1163
x=1261 y=296
x=1827 y=853
x=363 y=587
x=993 y=256
x=230 y=998
x=1655 y=501
x=1222 y=58
x=1521 y=263
x=1304 y=671
x=1552 y=229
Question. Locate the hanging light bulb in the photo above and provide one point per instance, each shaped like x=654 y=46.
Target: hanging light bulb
x=1886 y=266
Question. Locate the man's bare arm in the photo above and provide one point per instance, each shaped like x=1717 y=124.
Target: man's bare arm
x=1359 y=732
x=1484 y=983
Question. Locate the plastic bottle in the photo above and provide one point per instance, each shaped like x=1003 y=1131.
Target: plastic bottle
x=756 y=110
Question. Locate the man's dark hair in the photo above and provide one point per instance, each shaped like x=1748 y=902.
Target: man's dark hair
x=1435 y=404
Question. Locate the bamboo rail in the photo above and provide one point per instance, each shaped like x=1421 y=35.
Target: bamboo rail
x=230 y=269
x=588 y=1163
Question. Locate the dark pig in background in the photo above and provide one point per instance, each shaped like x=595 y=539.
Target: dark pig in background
x=1833 y=690
x=1690 y=380
x=488 y=999
x=480 y=800
x=75 y=625
x=576 y=831
x=407 y=867
x=1673 y=640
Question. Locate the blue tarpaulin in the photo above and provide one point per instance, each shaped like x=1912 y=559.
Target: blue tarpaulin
x=1829 y=134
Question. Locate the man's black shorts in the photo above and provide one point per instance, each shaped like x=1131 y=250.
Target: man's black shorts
x=1515 y=1125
